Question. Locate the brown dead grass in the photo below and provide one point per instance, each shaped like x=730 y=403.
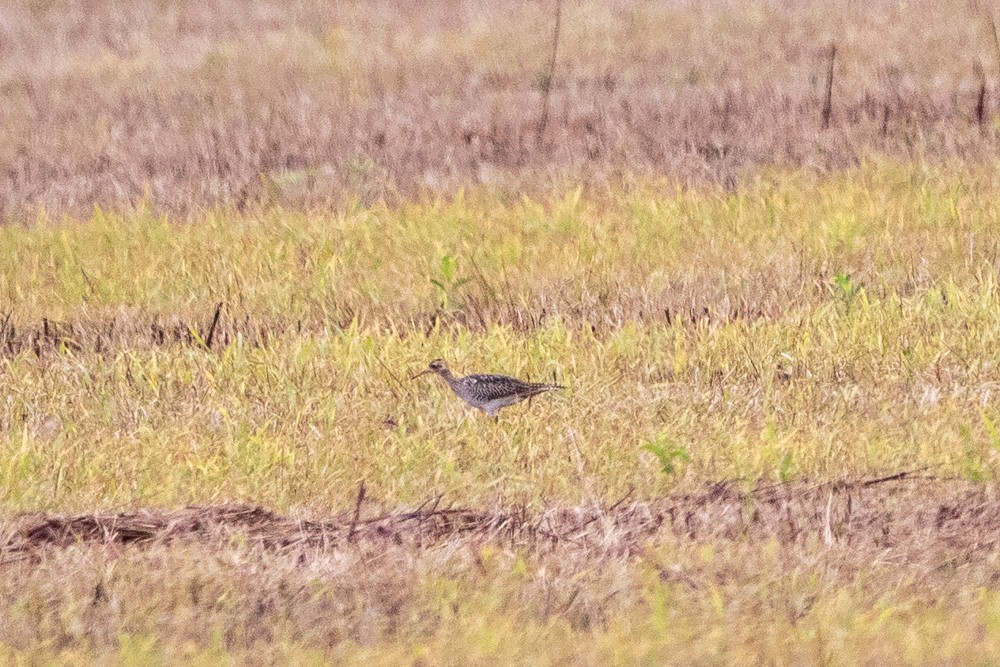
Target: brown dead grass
x=919 y=515
x=305 y=103
x=878 y=571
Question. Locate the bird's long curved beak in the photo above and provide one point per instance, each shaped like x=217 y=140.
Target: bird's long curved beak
x=423 y=373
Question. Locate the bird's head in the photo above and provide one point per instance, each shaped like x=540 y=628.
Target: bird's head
x=436 y=366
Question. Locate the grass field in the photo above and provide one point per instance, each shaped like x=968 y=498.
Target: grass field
x=230 y=233
x=796 y=329
x=802 y=334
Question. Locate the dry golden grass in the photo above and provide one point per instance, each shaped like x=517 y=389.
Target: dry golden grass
x=800 y=332
x=795 y=329
x=907 y=575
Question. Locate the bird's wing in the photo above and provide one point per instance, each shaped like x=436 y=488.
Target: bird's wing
x=491 y=379
x=496 y=386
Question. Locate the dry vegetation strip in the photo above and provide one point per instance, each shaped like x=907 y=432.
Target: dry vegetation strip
x=953 y=516
x=890 y=571
x=301 y=103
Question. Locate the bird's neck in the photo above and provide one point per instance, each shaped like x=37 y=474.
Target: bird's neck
x=446 y=375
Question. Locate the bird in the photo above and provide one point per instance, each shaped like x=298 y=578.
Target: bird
x=488 y=393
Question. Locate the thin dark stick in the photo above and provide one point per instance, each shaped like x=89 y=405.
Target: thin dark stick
x=981 y=105
x=357 y=511
x=631 y=490
x=897 y=476
x=996 y=41
x=215 y=323
x=828 y=102
x=550 y=75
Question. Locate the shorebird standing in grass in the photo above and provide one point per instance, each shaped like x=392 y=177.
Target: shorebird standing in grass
x=489 y=393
